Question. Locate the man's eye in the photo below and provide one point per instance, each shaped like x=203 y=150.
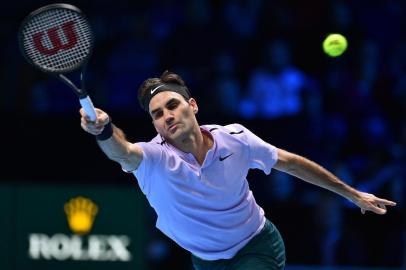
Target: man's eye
x=173 y=105
x=158 y=115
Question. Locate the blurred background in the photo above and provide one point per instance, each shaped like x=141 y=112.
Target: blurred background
x=256 y=62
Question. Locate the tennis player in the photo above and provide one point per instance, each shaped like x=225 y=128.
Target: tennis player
x=195 y=179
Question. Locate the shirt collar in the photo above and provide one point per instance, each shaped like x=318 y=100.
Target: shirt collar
x=189 y=156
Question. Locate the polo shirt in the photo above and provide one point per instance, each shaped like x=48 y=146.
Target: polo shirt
x=207 y=209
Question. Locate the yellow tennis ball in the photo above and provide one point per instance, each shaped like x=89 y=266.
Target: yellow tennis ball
x=335 y=45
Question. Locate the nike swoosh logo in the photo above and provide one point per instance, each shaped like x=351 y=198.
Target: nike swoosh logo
x=156 y=88
x=223 y=158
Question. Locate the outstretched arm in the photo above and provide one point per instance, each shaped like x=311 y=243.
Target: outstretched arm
x=113 y=144
x=313 y=173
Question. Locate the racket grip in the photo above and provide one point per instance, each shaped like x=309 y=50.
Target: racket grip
x=87 y=105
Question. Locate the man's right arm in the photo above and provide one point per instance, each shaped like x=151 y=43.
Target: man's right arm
x=116 y=146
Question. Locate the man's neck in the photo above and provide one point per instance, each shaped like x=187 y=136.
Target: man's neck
x=197 y=143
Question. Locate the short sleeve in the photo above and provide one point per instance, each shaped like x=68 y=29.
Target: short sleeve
x=152 y=155
x=263 y=155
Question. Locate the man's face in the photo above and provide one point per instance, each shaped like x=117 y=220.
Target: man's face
x=173 y=117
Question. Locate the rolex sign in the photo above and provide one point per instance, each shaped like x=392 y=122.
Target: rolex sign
x=74 y=228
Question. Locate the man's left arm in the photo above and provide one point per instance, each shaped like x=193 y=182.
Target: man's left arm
x=313 y=173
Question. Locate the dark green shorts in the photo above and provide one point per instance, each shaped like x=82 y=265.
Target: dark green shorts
x=265 y=251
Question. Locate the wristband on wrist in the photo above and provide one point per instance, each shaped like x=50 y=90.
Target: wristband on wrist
x=106 y=133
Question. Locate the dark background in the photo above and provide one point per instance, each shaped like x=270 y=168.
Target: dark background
x=259 y=63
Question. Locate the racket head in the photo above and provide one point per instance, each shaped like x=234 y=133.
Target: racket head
x=56 y=38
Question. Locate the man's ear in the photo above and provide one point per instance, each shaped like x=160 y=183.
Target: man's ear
x=193 y=104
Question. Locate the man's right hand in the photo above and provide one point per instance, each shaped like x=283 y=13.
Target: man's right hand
x=94 y=127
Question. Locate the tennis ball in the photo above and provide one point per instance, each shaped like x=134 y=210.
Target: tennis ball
x=335 y=45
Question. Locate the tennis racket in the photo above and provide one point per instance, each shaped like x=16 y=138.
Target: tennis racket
x=57 y=39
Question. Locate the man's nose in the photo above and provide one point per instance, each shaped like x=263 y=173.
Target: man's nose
x=168 y=117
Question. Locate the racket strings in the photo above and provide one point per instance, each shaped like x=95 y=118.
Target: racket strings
x=57 y=40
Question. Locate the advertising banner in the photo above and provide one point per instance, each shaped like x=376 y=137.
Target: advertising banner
x=65 y=227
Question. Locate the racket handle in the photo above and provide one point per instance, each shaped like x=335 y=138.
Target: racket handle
x=87 y=105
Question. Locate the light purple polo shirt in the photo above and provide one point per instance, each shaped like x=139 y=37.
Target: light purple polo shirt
x=208 y=210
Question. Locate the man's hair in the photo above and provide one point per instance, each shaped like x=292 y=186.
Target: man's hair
x=166 y=78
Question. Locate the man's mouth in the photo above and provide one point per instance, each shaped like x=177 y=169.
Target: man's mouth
x=172 y=128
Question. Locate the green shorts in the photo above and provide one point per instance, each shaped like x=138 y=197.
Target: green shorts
x=265 y=251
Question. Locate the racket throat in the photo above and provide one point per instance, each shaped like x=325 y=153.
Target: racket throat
x=81 y=93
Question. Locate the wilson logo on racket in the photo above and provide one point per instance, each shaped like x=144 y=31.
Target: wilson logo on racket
x=68 y=30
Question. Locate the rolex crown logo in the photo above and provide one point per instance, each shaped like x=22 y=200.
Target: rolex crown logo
x=80 y=212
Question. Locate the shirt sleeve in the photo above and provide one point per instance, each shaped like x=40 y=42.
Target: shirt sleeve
x=152 y=155
x=263 y=155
